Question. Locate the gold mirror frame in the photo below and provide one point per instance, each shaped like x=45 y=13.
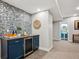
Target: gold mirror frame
x=37 y=24
x=76 y=24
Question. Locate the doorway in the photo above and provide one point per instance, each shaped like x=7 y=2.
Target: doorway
x=64 y=31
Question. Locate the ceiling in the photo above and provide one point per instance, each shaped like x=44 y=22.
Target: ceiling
x=56 y=12
x=59 y=8
x=68 y=7
x=32 y=6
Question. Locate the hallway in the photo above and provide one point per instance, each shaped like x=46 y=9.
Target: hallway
x=63 y=50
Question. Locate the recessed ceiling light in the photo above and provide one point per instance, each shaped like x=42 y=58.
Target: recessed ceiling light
x=38 y=9
x=74 y=14
x=77 y=8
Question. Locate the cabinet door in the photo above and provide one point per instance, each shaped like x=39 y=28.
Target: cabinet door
x=0 y=49
x=15 y=51
x=35 y=42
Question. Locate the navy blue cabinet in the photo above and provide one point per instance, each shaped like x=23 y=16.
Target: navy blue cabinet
x=12 y=48
x=15 y=48
x=35 y=42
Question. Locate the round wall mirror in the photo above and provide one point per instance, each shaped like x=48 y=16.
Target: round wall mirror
x=36 y=24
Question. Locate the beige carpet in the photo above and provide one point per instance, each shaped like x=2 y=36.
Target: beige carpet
x=39 y=54
x=63 y=50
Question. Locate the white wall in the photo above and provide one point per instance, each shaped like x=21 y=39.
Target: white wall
x=50 y=20
x=56 y=30
x=44 y=31
x=71 y=27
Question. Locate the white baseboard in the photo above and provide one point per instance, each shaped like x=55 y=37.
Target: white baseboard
x=70 y=40
x=45 y=49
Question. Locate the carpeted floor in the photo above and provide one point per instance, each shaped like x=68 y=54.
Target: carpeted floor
x=61 y=50
x=39 y=54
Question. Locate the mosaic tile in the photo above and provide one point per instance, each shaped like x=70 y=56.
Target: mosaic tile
x=12 y=17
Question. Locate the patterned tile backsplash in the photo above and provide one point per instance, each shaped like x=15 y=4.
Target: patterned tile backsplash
x=12 y=17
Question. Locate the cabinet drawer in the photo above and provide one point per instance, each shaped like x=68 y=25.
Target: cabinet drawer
x=16 y=41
